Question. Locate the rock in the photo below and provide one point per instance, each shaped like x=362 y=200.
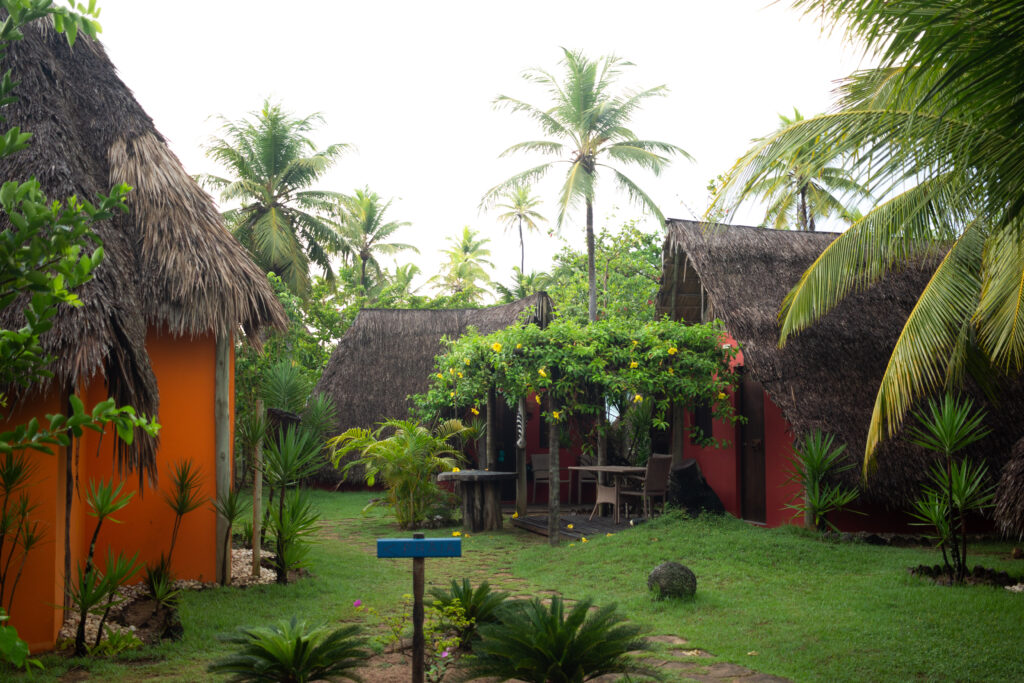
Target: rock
x=672 y=580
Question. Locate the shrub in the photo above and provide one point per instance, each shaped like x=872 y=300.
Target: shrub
x=292 y=651
x=542 y=644
x=480 y=606
x=813 y=462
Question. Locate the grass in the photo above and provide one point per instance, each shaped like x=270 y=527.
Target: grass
x=778 y=601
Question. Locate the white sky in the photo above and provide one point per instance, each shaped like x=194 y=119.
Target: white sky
x=411 y=85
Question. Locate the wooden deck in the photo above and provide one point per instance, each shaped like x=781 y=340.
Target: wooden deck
x=536 y=521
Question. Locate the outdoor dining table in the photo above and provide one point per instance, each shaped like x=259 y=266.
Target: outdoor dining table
x=481 y=497
x=610 y=494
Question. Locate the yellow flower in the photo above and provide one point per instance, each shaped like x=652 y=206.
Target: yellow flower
x=456 y=533
x=452 y=394
x=638 y=399
x=608 y=535
x=455 y=469
x=474 y=411
x=634 y=364
x=722 y=397
x=440 y=376
x=569 y=526
x=515 y=515
x=584 y=539
x=496 y=346
x=460 y=375
x=672 y=350
x=467 y=361
x=571 y=544
x=542 y=373
x=519 y=346
x=635 y=342
x=466 y=536
x=537 y=396
x=451 y=371
x=556 y=414
x=671 y=371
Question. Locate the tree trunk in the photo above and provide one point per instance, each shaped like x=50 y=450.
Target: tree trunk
x=804 y=224
x=554 y=487
x=257 y=498
x=521 y=460
x=522 y=249
x=591 y=269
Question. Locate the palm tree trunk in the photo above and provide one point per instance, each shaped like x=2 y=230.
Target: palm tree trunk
x=803 y=210
x=591 y=270
x=522 y=249
x=362 y=272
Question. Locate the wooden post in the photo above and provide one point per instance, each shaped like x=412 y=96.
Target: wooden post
x=222 y=439
x=521 y=462
x=491 y=450
x=418 y=645
x=554 y=486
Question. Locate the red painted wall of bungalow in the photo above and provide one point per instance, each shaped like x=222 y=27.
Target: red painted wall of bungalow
x=184 y=369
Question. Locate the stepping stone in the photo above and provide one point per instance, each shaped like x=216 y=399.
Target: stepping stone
x=667 y=639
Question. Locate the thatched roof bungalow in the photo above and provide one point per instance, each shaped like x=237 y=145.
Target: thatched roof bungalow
x=388 y=354
x=174 y=286
x=824 y=378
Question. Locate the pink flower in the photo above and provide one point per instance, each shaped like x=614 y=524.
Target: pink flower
x=357 y=603
x=444 y=654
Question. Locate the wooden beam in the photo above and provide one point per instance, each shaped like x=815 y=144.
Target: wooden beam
x=222 y=441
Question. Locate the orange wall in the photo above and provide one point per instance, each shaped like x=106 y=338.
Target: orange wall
x=185 y=371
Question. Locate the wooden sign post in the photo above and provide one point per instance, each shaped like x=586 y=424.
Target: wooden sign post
x=418 y=548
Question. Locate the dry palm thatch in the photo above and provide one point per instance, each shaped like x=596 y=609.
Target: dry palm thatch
x=826 y=377
x=1010 y=495
x=387 y=355
x=170 y=263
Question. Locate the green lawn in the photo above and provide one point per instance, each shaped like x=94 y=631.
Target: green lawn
x=778 y=601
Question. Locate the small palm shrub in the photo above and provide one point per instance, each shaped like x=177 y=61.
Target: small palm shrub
x=543 y=644
x=814 y=461
x=407 y=456
x=479 y=605
x=293 y=651
x=288 y=459
x=946 y=427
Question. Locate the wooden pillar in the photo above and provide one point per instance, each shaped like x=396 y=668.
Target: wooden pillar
x=222 y=440
x=257 y=496
x=521 y=460
x=678 y=433
x=491 y=451
x=418 y=640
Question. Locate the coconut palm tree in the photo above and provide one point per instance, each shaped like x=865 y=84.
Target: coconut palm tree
x=520 y=206
x=935 y=131
x=363 y=230
x=523 y=285
x=799 y=190
x=465 y=272
x=587 y=124
x=272 y=164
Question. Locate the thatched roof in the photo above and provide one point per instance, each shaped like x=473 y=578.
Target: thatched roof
x=170 y=263
x=1010 y=495
x=387 y=355
x=827 y=376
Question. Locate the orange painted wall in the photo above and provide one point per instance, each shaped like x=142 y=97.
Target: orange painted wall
x=185 y=371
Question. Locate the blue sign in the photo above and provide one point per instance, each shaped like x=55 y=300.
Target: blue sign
x=419 y=547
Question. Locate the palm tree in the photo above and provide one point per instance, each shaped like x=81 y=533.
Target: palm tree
x=523 y=285
x=465 y=272
x=588 y=124
x=935 y=130
x=520 y=206
x=799 y=190
x=272 y=164
x=363 y=230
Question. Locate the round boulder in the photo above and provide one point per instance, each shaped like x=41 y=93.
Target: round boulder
x=672 y=580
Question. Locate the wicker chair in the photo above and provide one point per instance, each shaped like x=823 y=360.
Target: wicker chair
x=654 y=484
x=542 y=473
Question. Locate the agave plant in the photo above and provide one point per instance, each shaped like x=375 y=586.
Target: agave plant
x=292 y=651
x=814 y=460
x=407 y=460
x=543 y=644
